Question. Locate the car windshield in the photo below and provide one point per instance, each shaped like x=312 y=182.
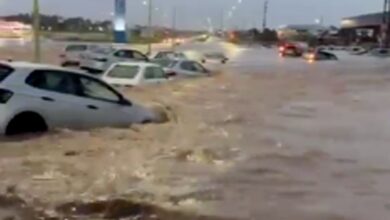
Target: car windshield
x=124 y=71
x=76 y=48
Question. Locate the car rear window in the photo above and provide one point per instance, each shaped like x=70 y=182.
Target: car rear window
x=162 y=62
x=76 y=48
x=123 y=72
x=5 y=71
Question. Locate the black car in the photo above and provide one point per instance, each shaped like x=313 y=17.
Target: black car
x=320 y=55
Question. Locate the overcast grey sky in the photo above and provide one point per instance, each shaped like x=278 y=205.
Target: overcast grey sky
x=194 y=13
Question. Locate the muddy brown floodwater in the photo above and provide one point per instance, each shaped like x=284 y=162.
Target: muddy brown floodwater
x=275 y=145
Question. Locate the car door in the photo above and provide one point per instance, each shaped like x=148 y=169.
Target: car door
x=153 y=75
x=52 y=92
x=103 y=106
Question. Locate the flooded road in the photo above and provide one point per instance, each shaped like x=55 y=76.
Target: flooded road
x=267 y=138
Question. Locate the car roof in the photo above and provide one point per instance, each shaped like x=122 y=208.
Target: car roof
x=35 y=66
x=142 y=64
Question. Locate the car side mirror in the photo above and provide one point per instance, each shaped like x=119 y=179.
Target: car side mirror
x=124 y=102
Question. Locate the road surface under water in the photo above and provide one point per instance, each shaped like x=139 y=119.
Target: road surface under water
x=268 y=138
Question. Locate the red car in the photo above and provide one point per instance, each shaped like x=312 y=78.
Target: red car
x=290 y=50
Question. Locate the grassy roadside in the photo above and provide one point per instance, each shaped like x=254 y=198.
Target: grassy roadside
x=96 y=37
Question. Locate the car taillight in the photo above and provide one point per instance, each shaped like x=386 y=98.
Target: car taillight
x=281 y=49
x=5 y=95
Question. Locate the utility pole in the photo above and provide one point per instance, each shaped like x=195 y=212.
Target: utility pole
x=173 y=40
x=150 y=23
x=385 y=29
x=36 y=30
x=265 y=14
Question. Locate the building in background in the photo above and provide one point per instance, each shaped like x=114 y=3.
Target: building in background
x=362 y=28
x=292 y=31
x=14 y=29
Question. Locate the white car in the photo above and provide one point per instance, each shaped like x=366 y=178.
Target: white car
x=101 y=59
x=134 y=74
x=36 y=98
x=215 y=57
x=72 y=54
x=168 y=55
x=180 y=67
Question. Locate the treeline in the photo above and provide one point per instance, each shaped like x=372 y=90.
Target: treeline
x=61 y=24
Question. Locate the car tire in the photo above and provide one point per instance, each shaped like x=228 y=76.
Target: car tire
x=26 y=122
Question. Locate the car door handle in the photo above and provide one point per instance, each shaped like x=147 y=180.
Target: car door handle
x=92 y=107
x=48 y=99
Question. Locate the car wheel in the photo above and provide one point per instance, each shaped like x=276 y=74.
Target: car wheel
x=27 y=122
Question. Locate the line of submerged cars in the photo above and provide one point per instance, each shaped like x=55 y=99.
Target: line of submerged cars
x=129 y=67
x=323 y=53
x=41 y=97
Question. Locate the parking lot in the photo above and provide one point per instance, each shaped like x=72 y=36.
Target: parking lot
x=265 y=134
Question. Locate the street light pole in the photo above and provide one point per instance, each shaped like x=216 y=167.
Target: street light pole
x=36 y=30
x=265 y=14
x=150 y=23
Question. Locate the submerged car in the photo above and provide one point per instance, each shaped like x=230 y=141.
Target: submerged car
x=101 y=59
x=186 y=68
x=357 y=50
x=215 y=57
x=290 y=50
x=380 y=52
x=319 y=55
x=72 y=54
x=37 y=98
x=134 y=74
x=169 y=55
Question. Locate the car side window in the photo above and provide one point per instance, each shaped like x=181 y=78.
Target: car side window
x=124 y=54
x=154 y=73
x=139 y=56
x=199 y=68
x=93 y=88
x=187 y=66
x=123 y=71
x=51 y=80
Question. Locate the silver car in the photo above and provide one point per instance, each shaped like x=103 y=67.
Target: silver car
x=101 y=59
x=182 y=67
x=72 y=54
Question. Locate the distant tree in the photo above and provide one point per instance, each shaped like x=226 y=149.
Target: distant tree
x=269 y=35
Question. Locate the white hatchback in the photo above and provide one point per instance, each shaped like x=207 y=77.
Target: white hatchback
x=101 y=59
x=36 y=97
x=134 y=74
